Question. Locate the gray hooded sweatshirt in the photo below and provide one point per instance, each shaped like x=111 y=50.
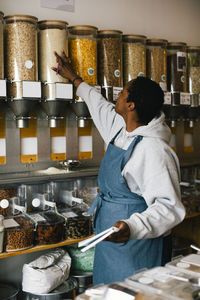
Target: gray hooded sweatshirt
x=152 y=171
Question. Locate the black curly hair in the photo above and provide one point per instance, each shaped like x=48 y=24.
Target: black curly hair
x=148 y=98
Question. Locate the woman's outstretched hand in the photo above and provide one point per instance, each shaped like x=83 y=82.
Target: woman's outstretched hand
x=122 y=235
x=65 y=68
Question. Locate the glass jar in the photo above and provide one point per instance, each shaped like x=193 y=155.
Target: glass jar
x=134 y=56
x=110 y=58
x=193 y=68
x=176 y=67
x=157 y=61
x=21 y=59
x=83 y=51
x=1 y=45
x=52 y=37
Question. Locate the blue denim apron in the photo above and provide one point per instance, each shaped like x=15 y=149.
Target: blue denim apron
x=115 y=202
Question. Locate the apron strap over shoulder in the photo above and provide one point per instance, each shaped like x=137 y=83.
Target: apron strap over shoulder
x=130 y=149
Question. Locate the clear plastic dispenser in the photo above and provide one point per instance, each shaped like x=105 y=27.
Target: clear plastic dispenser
x=110 y=62
x=3 y=91
x=176 y=81
x=157 y=61
x=83 y=54
x=56 y=90
x=21 y=66
x=193 y=81
x=134 y=56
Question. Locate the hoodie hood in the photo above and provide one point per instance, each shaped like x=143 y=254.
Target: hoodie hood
x=157 y=128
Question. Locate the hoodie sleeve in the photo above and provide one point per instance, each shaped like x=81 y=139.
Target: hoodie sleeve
x=107 y=121
x=159 y=183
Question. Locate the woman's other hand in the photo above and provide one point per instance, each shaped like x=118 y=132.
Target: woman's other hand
x=122 y=235
x=65 y=68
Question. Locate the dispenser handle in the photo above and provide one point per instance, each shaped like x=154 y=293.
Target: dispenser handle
x=50 y=203
x=77 y=200
x=20 y=208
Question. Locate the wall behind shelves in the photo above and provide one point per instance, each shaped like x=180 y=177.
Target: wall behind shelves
x=174 y=20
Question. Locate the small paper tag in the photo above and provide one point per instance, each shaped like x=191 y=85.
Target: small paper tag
x=8 y=223
x=69 y=214
x=37 y=218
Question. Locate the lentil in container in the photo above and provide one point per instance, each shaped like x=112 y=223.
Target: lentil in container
x=1 y=46
x=157 y=61
x=83 y=51
x=110 y=58
x=176 y=67
x=193 y=67
x=20 y=51
x=134 y=57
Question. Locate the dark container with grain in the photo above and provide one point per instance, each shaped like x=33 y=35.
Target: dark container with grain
x=109 y=61
x=157 y=61
x=49 y=229
x=193 y=69
x=176 y=67
x=78 y=223
x=134 y=56
x=20 y=236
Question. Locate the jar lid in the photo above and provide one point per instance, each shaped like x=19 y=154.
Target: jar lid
x=15 y=18
x=134 y=37
x=156 y=41
x=193 y=48
x=82 y=29
x=108 y=31
x=176 y=44
x=52 y=24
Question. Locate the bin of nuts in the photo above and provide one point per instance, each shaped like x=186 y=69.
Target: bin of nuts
x=6 y=194
x=19 y=233
x=78 y=223
x=50 y=227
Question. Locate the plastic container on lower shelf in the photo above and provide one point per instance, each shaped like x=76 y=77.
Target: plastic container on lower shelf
x=50 y=227
x=164 y=281
x=189 y=264
x=19 y=233
x=78 y=223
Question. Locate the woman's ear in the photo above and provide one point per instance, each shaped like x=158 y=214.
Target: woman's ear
x=131 y=106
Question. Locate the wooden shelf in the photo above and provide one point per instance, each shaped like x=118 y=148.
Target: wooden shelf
x=192 y=215
x=41 y=247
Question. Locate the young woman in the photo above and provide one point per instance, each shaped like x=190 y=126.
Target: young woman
x=138 y=178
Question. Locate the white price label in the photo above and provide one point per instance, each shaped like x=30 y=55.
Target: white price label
x=8 y=223
x=116 y=91
x=38 y=218
x=70 y=214
x=184 y=98
x=31 y=89
x=167 y=98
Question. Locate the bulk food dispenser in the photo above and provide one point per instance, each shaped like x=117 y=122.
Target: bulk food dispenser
x=157 y=61
x=21 y=66
x=83 y=55
x=56 y=90
x=193 y=82
x=134 y=56
x=176 y=81
x=110 y=63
